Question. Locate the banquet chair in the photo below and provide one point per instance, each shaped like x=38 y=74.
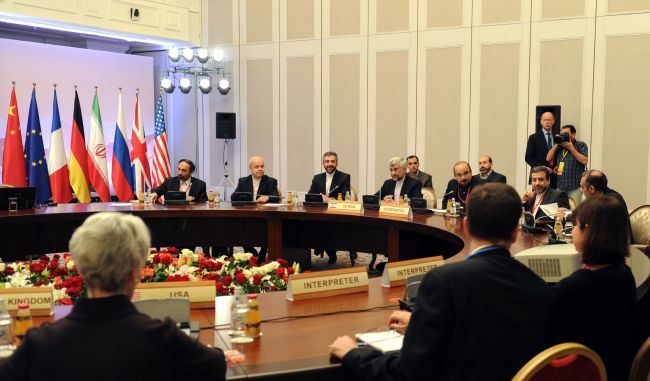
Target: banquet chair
x=640 y=369
x=429 y=194
x=564 y=362
x=640 y=221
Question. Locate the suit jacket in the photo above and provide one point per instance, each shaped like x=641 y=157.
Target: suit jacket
x=453 y=192
x=551 y=196
x=478 y=319
x=340 y=180
x=197 y=188
x=424 y=178
x=110 y=340
x=411 y=187
x=493 y=177
x=268 y=187
x=537 y=148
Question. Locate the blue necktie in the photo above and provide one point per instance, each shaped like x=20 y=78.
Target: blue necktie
x=549 y=142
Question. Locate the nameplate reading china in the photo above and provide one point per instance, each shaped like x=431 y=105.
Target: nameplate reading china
x=395 y=210
x=395 y=273
x=200 y=293
x=344 y=207
x=38 y=298
x=327 y=283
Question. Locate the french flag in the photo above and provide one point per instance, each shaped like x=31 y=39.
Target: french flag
x=57 y=165
x=121 y=165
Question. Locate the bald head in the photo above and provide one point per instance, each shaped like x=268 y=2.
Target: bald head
x=462 y=173
x=547 y=121
x=256 y=165
x=593 y=182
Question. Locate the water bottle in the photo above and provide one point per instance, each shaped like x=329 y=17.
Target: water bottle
x=6 y=332
x=347 y=196
x=558 y=226
x=407 y=200
x=238 y=311
x=452 y=210
x=253 y=319
x=23 y=321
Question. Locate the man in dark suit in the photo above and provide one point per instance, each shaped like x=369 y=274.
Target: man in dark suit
x=540 y=143
x=594 y=183
x=477 y=319
x=399 y=184
x=331 y=182
x=413 y=163
x=264 y=189
x=543 y=194
x=184 y=182
x=487 y=174
x=461 y=186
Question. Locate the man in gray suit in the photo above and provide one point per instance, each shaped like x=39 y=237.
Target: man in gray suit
x=414 y=171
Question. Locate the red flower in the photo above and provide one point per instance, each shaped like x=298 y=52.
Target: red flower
x=227 y=280
x=290 y=270
x=257 y=279
x=65 y=301
x=240 y=278
x=252 y=262
x=156 y=258
x=280 y=272
x=203 y=264
x=173 y=250
x=274 y=287
x=283 y=262
x=36 y=267
x=56 y=257
x=9 y=270
x=217 y=266
x=218 y=286
x=53 y=265
x=166 y=259
x=44 y=258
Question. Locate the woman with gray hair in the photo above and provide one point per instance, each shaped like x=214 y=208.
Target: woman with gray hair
x=105 y=337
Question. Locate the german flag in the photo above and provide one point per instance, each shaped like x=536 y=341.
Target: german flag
x=78 y=155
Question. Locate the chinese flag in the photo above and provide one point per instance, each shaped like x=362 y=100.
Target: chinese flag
x=13 y=159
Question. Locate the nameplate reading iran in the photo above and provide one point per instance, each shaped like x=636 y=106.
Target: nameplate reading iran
x=395 y=210
x=395 y=273
x=38 y=298
x=344 y=207
x=327 y=283
x=200 y=293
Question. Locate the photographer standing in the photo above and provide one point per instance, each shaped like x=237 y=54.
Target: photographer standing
x=568 y=157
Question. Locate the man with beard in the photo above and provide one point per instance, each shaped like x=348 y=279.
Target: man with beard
x=488 y=175
x=461 y=185
x=399 y=184
x=569 y=160
x=543 y=194
x=414 y=171
x=329 y=184
x=184 y=182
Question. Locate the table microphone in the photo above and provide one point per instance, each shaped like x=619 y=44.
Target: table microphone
x=332 y=190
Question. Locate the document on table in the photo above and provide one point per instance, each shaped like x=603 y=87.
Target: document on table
x=385 y=341
x=120 y=204
x=273 y=204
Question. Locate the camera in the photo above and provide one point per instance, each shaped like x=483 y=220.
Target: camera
x=561 y=138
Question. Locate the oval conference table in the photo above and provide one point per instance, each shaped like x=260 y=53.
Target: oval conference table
x=296 y=335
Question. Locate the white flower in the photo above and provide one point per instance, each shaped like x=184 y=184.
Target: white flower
x=70 y=264
x=262 y=270
x=59 y=294
x=20 y=279
x=248 y=273
x=2 y=267
x=255 y=270
x=242 y=257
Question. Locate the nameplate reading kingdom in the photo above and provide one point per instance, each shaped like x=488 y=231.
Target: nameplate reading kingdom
x=327 y=283
x=38 y=298
x=395 y=273
x=395 y=210
x=344 y=207
x=200 y=293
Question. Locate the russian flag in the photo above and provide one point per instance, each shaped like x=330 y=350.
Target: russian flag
x=121 y=174
x=57 y=165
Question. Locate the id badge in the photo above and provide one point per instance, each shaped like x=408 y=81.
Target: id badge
x=560 y=168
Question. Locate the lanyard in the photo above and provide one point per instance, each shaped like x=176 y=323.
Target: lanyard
x=484 y=249
x=564 y=153
x=537 y=203
x=469 y=189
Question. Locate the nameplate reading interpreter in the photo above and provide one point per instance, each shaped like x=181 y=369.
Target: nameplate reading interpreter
x=353 y=207
x=394 y=209
x=327 y=283
x=395 y=273
x=38 y=298
x=200 y=293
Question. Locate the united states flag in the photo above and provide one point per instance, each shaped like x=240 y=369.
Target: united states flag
x=161 y=166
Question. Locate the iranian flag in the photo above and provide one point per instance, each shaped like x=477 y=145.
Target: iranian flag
x=97 y=167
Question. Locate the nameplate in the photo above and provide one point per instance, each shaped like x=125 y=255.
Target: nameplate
x=38 y=298
x=344 y=207
x=394 y=209
x=200 y=293
x=327 y=283
x=395 y=273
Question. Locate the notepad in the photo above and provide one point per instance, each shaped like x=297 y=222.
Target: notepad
x=385 y=341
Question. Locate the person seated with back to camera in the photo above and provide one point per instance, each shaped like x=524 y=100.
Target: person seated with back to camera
x=105 y=334
x=264 y=189
x=194 y=188
x=478 y=319
x=597 y=305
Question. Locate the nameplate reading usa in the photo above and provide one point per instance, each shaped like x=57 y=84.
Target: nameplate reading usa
x=200 y=293
x=38 y=298
x=344 y=207
x=327 y=283
x=395 y=210
x=395 y=273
